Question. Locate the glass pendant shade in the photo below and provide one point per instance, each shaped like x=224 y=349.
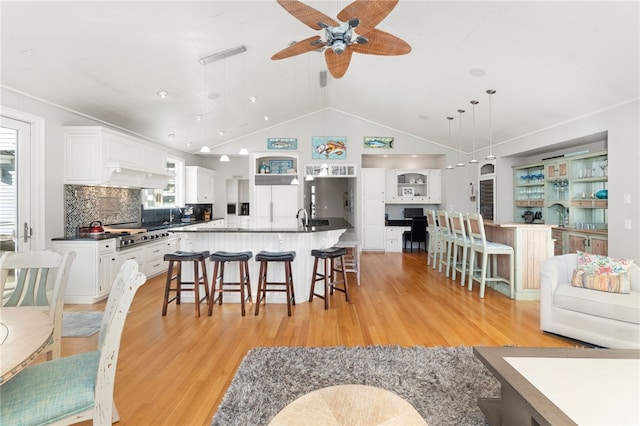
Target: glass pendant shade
x=490 y=157
x=473 y=153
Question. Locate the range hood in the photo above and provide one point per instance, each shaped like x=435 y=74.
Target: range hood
x=118 y=174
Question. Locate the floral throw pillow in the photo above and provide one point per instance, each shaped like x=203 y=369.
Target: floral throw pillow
x=602 y=273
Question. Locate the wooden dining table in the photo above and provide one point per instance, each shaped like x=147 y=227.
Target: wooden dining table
x=24 y=334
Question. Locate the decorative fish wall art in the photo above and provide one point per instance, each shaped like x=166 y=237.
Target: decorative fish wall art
x=378 y=142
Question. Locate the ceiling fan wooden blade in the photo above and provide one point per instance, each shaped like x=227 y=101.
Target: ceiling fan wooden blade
x=382 y=43
x=307 y=14
x=369 y=12
x=337 y=64
x=303 y=46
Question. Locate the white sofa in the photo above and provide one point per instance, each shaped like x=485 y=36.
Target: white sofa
x=611 y=320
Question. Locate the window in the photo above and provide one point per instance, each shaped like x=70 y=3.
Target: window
x=173 y=194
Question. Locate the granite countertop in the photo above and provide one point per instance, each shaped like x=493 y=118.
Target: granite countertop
x=147 y=226
x=334 y=224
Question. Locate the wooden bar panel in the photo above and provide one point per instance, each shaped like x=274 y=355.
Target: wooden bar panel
x=532 y=243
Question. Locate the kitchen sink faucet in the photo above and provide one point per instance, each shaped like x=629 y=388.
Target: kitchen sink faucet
x=304 y=219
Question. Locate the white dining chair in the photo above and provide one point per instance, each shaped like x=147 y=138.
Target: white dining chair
x=486 y=248
x=37 y=280
x=78 y=387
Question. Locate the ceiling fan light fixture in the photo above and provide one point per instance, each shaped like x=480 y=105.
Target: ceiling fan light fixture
x=163 y=94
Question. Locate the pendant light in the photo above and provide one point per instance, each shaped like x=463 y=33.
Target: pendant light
x=243 y=151
x=460 y=163
x=449 y=167
x=473 y=154
x=205 y=149
x=224 y=158
x=490 y=157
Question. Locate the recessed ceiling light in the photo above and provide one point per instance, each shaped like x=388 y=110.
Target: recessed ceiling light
x=163 y=93
x=188 y=143
x=266 y=118
x=477 y=71
x=199 y=117
x=221 y=132
x=253 y=99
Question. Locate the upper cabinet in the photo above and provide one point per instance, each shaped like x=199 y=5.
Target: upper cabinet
x=414 y=186
x=199 y=185
x=95 y=155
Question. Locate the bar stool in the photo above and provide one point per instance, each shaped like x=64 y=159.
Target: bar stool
x=461 y=245
x=329 y=256
x=480 y=244
x=434 y=238
x=349 y=241
x=446 y=239
x=264 y=257
x=220 y=258
x=183 y=256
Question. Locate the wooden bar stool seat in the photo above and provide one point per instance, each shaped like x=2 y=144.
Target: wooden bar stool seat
x=264 y=257
x=178 y=257
x=219 y=286
x=330 y=267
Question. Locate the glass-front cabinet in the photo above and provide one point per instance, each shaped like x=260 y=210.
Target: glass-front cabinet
x=274 y=168
x=570 y=192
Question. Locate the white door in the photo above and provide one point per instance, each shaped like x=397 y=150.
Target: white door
x=15 y=185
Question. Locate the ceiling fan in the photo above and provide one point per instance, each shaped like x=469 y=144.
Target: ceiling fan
x=340 y=43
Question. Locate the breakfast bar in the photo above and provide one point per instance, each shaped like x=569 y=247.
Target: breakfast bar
x=301 y=240
x=532 y=243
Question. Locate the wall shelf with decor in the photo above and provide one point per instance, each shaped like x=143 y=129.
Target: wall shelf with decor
x=333 y=170
x=413 y=186
x=274 y=169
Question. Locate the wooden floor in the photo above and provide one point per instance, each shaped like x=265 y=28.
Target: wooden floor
x=174 y=370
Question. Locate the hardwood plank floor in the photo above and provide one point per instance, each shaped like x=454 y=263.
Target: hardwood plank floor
x=174 y=370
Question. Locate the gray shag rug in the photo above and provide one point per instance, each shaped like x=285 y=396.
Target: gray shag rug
x=442 y=383
x=81 y=324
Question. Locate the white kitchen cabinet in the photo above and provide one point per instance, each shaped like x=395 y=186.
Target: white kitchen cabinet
x=373 y=181
x=199 y=185
x=90 y=275
x=275 y=206
x=95 y=155
x=373 y=209
x=421 y=186
x=394 y=238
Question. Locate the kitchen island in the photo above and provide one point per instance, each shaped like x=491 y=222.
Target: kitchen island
x=301 y=240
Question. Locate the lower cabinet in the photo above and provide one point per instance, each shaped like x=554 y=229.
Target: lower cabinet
x=90 y=276
x=595 y=244
x=97 y=264
x=394 y=241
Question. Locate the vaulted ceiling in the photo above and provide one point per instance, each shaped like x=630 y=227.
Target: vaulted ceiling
x=549 y=62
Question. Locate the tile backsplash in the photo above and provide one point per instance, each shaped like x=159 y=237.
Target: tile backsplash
x=85 y=204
